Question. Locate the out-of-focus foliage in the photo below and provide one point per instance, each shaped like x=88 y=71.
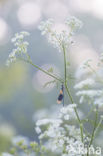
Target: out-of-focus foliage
x=6 y=134
x=11 y=79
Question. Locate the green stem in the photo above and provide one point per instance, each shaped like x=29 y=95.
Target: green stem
x=94 y=130
x=97 y=128
x=75 y=110
x=65 y=68
x=44 y=71
x=93 y=133
x=69 y=94
x=81 y=130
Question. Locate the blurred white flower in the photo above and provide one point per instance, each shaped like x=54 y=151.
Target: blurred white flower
x=89 y=93
x=50 y=9
x=96 y=8
x=90 y=89
x=59 y=133
x=29 y=14
x=47 y=121
x=38 y=130
x=67 y=112
x=66 y=117
x=4 y=31
x=89 y=82
x=73 y=23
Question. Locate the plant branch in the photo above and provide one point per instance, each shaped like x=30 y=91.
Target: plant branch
x=97 y=128
x=44 y=71
x=65 y=64
x=93 y=133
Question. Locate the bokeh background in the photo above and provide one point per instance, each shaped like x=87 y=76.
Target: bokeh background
x=22 y=95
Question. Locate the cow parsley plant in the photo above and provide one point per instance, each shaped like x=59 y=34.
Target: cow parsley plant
x=66 y=134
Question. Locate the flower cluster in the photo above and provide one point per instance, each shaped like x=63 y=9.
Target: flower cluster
x=21 y=47
x=89 y=82
x=74 y=23
x=90 y=89
x=59 y=133
x=66 y=113
x=64 y=38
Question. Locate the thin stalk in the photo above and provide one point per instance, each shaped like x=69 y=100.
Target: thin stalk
x=93 y=133
x=81 y=130
x=44 y=71
x=65 y=64
x=75 y=110
x=94 y=130
x=69 y=94
x=97 y=128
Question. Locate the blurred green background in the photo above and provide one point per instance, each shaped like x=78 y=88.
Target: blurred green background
x=21 y=87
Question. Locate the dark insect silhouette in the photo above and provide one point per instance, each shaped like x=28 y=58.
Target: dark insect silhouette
x=61 y=95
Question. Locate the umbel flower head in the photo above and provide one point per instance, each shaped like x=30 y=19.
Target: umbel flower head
x=58 y=134
x=21 y=47
x=64 y=38
x=90 y=89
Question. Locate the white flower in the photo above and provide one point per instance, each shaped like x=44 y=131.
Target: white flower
x=66 y=117
x=90 y=93
x=68 y=108
x=45 y=27
x=81 y=99
x=48 y=121
x=62 y=39
x=38 y=130
x=93 y=96
x=85 y=83
x=19 y=36
x=61 y=142
x=63 y=110
x=21 y=47
x=74 y=23
x=67 y=112
x=57 y=133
